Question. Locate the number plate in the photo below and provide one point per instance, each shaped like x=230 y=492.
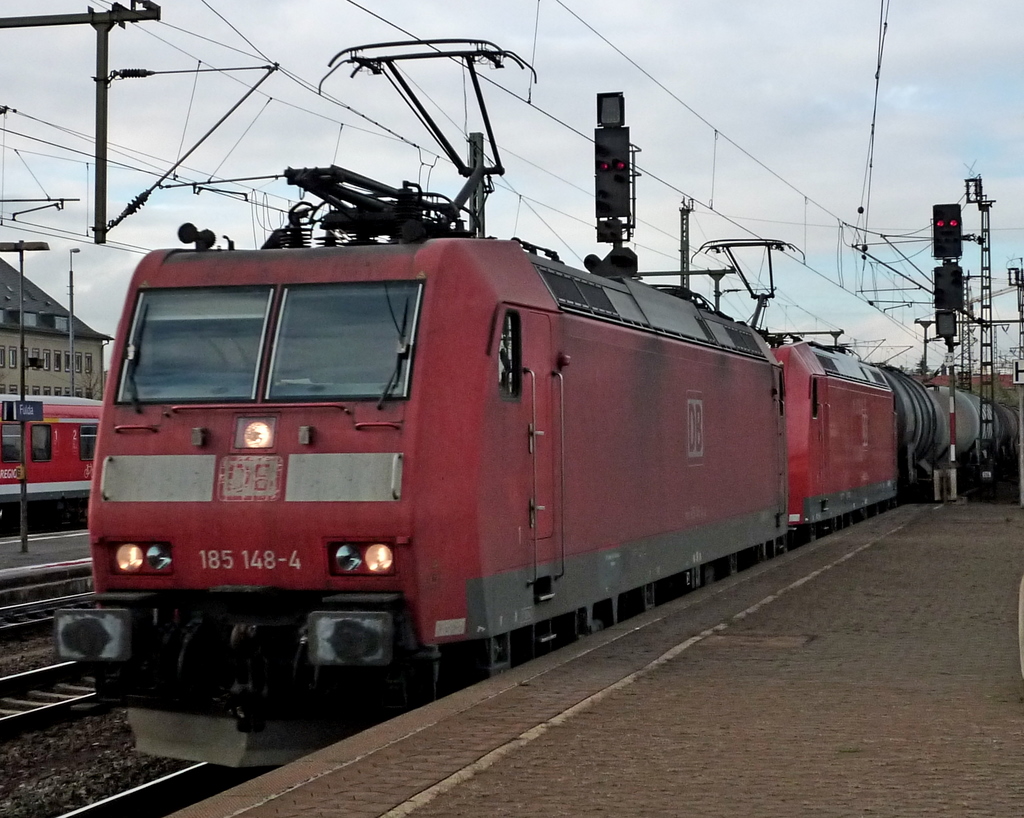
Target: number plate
x=248 y=478
x=227 y=559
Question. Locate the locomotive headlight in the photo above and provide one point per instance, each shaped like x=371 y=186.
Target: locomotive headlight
x=129 y=558
x=379 y=558
x=254 y=433
x=348 y=557
x=158 y=556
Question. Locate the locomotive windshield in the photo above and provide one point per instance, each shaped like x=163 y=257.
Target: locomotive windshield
x=201 y=344
x=350 y=340
x=345 y=341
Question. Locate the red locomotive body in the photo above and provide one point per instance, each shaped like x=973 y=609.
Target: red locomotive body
x=58 y=463
x=339 y=470
x=841 y=433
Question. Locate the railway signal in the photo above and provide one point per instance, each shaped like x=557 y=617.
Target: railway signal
x=947 y=231
x=613 y=173
x=949 y=286
x=611 y=155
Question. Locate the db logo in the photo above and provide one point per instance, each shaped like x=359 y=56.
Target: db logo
x=695 y=427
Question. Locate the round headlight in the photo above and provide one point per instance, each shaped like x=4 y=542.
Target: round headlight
x=158 y=556
x=379 y=558
x=258 y=435
x=348 y=557
x=129 y=557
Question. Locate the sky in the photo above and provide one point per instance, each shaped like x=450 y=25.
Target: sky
x=830 y=127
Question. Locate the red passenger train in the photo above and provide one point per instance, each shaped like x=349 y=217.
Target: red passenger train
x=59 y=462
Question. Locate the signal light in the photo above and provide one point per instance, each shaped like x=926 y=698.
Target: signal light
x=947 y=231
x=949 y=287
x=613 y=177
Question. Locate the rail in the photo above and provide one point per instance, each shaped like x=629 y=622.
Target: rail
x=40 y=697
x=29 y=616
x=170 y=793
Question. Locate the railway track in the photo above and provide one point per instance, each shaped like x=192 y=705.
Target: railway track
x=40 y=697
x=32 y=617
x=169 y=793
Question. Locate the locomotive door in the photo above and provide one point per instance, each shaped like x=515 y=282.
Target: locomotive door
x=819 y=411
x=541 y=438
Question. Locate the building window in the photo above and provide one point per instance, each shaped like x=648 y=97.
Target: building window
x=56 y=360
x=78 y=362
x=10 y=443
x=46 y=390
x=13 y=389
x=67 y=361
x=35 y=390
x=46 y=360
x=67 y=391
x=87 y=442
x=41 y=448
x=31 y=319
x=3 y=356
x=88 y=363
x=13 y=357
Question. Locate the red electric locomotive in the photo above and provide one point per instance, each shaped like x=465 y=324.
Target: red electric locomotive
x=335 y=475
x=58 y=462
x=841 y=432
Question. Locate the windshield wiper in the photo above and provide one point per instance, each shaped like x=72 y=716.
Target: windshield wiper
x=403 y=353
x=134 y=352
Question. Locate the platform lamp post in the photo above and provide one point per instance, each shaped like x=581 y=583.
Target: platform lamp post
x=22 y=247
x=925 y=322
x=71 y=313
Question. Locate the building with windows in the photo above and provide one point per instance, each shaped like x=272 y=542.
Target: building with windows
x=48 y=362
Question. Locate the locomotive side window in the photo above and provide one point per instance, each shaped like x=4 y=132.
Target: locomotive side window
x=10 y=443
x=87 y=441
x=42 y=442
x=510 y=367
x=345 y=341
x=194 y=344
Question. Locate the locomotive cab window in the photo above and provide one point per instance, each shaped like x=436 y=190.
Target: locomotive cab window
x=194 y=344
x=42 y=442
x=350 y=340
x=510 y=366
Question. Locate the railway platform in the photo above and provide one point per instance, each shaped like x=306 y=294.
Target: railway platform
x=871 y=672
x=55 y=563
x=59 y=547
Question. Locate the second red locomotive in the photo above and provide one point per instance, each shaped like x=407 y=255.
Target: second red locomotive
x=841 y=435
